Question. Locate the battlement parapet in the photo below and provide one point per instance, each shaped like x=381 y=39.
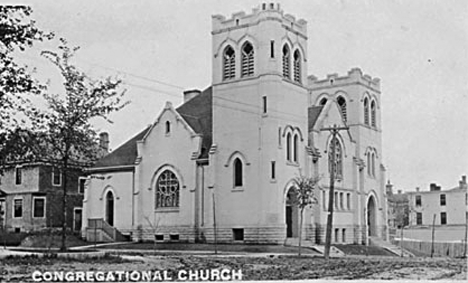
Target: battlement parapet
x=266 y=11
x=355 y=75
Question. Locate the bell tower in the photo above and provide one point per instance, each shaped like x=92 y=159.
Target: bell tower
x=260 y=115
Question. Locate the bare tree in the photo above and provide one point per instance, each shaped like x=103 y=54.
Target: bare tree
x=305 y=188
x=66 y=125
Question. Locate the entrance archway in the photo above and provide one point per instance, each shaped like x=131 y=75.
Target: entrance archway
x=371 y=217
x=110 y=208
x=292 y=214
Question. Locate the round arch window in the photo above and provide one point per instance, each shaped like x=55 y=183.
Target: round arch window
x=167 y=190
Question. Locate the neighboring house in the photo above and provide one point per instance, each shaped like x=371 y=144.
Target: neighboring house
x=31 y=196
x=445 y=209
x=231 y=152
x=397 y=209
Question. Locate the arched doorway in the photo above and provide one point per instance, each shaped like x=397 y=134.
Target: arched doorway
x=292 y=214
x=371 y=217
x=110 y=208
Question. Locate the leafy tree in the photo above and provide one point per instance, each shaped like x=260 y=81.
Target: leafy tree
x=306 y=196
x=17 y=32
x=67 y=128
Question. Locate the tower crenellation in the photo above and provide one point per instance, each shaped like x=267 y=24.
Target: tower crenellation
x=266 y=11
x=355 y=75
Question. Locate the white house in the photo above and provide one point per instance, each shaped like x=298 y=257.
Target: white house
x=230 y=152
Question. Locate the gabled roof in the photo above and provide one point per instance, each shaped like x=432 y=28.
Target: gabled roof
x=314 y=113
x=126 y=154
x=198 y=113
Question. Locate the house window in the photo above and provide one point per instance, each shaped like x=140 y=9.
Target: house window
x=418 y=218
x=167 y=190
x=295 y=148
x=288 y=147
x=336 y=200
x=338 y=158
x=273 y=170
x=297 y=66
x=286 y=62
x=442 y=199
x=342 y=103
x=418 y=200
x=56 y=176
x=272 y=49
x=168 y=127
x=229 y=63
x=264 y=100
x=18 y=208
x=81 y=185
x=247 y=60
x=18 y=175
x=39 y=207
x=366 y=111
x=337 y=235
x=443 y=218
x=238 y=178
x=343 y=236
x=324 y=199
x=373 y=115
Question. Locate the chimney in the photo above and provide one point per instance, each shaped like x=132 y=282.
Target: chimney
x=417 y=189
x=104 y=142
x=433 y=187
x=462 y=182
x=399 y=192
x=389 y=188
x=191 y=93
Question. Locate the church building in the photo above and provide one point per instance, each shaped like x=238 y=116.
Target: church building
x=226 y=158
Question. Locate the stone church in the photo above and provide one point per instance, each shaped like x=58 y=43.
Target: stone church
x=226 y=158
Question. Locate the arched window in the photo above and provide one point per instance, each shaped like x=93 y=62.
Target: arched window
x=297 y=66
x=373 y=122
x=366 y=111
x=369 y=164
x=247 y=60
x=286 y=62
x=338 y=158
x=342 y=103
x=167 y=190
x=229 y=63
x=168 y=127
x=295 y=148
x=373 y=164
x=110 y=208
x=323 y=101
x=238 y=176
x=288 y=147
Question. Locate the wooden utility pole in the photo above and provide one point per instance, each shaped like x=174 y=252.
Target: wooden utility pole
x=214 y=226
x=334 y=131
x=433 y=232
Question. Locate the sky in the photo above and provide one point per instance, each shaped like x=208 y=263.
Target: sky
x=418 y=48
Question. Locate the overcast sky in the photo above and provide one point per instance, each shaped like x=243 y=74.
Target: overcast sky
x=417 y=48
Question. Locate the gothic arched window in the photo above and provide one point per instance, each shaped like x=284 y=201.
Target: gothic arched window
x=297 y=66
x=373 y=122
x=288 y=147
x=342 y=103
x=286 y=62
x=168 y=127
x=369 y=164
x=229 y=63
x=167 y=190
x=247 y=60
x=338 y=159
x=366 y=111
x=373 y=164
x=295 y=148
x=238 y=174
x=323 y=101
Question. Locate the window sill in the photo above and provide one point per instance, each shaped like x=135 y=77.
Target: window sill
x=238 y=189
x=273 y=181
x=167 y=209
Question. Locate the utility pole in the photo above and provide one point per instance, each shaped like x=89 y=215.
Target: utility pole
x=433 y=230
x=334 y=131
x=214 y=226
